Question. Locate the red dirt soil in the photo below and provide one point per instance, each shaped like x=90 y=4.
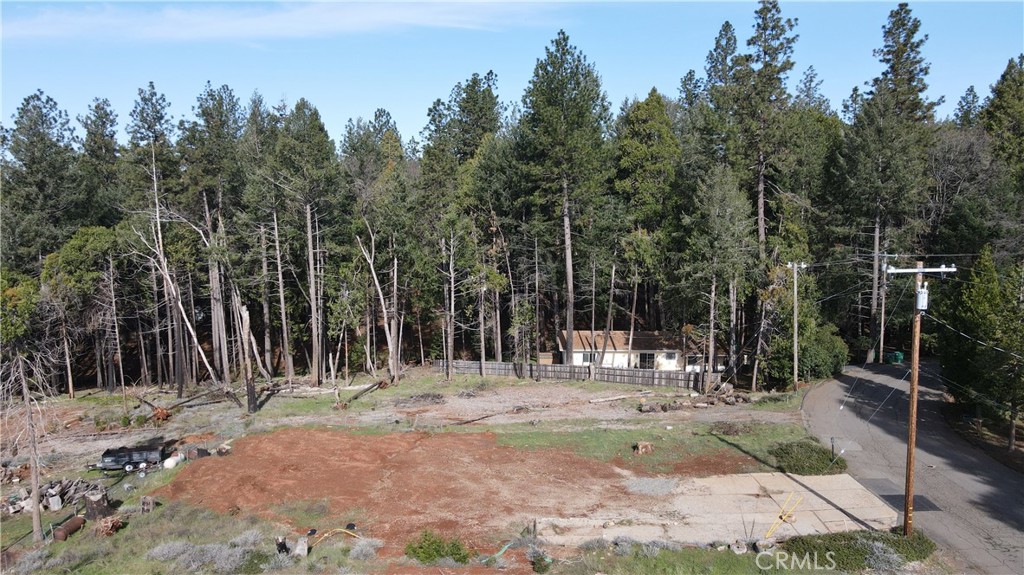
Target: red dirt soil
x=456 y=484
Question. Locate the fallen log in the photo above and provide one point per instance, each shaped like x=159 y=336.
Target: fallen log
x=618 y=397
x=477 y=418
x=379 y=385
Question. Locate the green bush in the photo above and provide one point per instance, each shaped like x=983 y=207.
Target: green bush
x=860 y=550
x=140 y=420
x=430 y=548
x=822 y=354
x=805 y=457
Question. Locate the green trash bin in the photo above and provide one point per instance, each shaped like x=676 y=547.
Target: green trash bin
x=897 y=357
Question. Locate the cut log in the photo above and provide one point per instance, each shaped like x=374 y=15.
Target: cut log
x=379 y=385
x=97 y=507
x=618 y=397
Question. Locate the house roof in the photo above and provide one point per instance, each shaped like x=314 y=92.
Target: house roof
x=619 y=341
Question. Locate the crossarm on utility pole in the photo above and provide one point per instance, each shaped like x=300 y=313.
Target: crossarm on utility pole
x=920 y=305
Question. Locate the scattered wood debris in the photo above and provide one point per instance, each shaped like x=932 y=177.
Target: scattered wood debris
x=109 y=525
x=696 y=401
x=53 y=495
x=420 y=399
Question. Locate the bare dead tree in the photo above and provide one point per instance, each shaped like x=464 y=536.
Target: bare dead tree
x=388 y=313
x=29 y=357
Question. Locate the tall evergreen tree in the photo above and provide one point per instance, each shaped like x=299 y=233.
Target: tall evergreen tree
x=97 y=163
x=885 y=149
x=562 y=145
x=967 y=109
x=1003 y=117
x=42 y=201
x=763 y=102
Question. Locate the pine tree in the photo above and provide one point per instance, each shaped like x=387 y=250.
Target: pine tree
x=42 y=201
x=98 y=162
x=885 y=149
x=1003 y=118
x=763 y=101
x=562 y=145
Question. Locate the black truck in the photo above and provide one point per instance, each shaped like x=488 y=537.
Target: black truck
x=130 y=458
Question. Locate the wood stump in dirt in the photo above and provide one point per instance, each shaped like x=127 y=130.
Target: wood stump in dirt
x=643 y=448
x=97 y=506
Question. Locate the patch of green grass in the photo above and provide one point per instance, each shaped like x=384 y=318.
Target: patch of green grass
x=859 y=550
x=782 y=402
x=806 y=457
x=644 y=560
x=305 y=513
x=670 y=446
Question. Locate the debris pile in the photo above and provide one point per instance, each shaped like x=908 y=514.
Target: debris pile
x=14 y=475
x=53 y=495
x=109 y=525
x=421 y=399
x=696 y=401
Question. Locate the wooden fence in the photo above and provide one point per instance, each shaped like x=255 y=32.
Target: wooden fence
x=642 y=377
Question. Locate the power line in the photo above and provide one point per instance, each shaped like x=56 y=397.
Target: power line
x=974 y=339
x=984 y=398
x=865 y=364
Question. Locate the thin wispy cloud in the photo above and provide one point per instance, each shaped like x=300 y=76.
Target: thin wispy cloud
x=189 y=21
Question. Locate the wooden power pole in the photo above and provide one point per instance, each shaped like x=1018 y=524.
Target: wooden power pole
x=920 y=304
x=796 y=299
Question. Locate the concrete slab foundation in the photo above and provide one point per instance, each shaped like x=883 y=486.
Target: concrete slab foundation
x=727 y=508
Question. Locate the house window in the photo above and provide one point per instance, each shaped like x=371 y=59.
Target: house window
x=589 y=357
x=646 y=361
x=670 y=356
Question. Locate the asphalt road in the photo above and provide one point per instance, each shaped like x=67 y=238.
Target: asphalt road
x=964 y=500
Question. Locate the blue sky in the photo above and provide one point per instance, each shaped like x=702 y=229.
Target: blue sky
x=350 y=58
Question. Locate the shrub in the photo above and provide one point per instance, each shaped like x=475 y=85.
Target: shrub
x=277 y=561
x=822 y=354
x=140 y=420
x=250 y=538
x=859 y=550
x=539 y=560
x=622 y=545
x=597 y=544
x=430 y=548
x=32 y=561
x=805 y=457
x=365 y=549
x=169 y=551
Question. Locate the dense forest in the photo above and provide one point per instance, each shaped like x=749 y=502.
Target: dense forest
x=243 y=243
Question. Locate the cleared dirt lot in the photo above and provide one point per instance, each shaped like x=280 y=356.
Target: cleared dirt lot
x=412 y=458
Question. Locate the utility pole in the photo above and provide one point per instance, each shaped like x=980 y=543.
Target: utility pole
x=794 y=266
x=881 y=328
x=920 y=304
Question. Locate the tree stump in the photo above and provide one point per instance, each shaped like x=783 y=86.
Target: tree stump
x=97 y=506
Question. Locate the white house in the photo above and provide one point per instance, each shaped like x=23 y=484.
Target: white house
x=650 y=350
